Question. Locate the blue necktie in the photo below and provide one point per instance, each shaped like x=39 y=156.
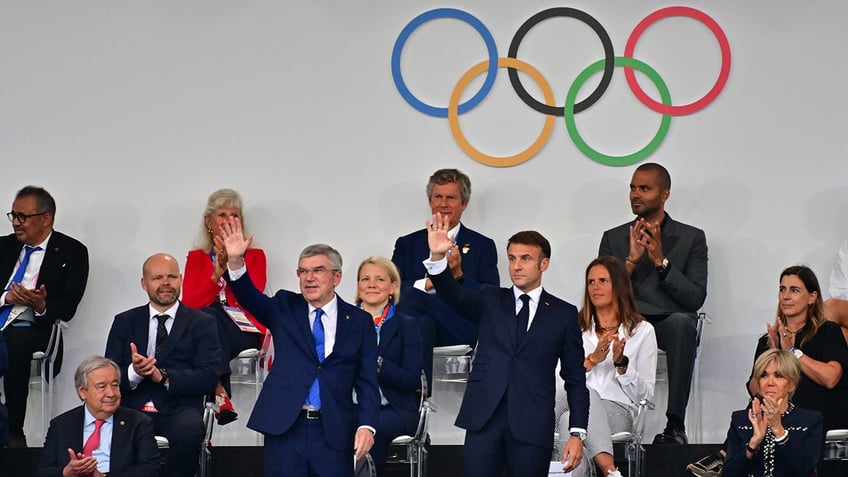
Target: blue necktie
x=314 y=398
x=16 y=278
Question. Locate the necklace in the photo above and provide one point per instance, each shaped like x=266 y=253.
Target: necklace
x=794 y=332
x=604 y=329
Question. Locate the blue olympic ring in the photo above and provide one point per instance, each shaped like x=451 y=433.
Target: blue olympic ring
x=466 y=17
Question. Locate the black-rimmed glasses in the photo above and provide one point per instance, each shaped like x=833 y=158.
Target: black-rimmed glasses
x=12 y=216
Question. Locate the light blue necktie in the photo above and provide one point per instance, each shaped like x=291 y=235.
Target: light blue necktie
x=314 y=398
x=19 y=275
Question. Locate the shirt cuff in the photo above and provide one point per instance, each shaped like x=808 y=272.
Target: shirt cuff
x=421 y=284
x=437 y=267
x=373 y=431
x=134 y=378
x=576 y=429
x=39 y=314
x=236 y=274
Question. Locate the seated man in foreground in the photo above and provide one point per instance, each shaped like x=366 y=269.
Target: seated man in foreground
x=100 y=437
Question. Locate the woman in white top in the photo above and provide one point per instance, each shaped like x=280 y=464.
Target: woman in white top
x=620 y=346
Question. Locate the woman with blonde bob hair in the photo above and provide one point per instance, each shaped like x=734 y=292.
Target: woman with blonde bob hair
x=773 y=437
x=399 y=353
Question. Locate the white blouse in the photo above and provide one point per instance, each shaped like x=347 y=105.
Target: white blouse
x=637 y=382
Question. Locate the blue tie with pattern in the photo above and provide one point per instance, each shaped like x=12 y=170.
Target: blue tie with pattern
x=19 y=275
x=314 y=398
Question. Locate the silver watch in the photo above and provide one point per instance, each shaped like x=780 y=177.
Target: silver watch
x=797 y=352
x=579 y=434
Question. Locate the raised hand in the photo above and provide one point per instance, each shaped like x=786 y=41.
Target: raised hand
x=455 y=261
x=603 y=347
x=79 y=465
x=758 y=422
x=636 y=248
x=437 y=237
x=234 y=242
x=618 y=348
x=651 y=240
x=220 y=264
x=773 y=336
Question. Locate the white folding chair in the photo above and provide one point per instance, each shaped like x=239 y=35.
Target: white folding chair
x=416 y=445
x=44 y=362
x=205 y=463
x=836 y=444
x=633 y=440
x=251 y=365
x=364 y=467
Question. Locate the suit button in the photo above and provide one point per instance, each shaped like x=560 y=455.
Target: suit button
x=319 y=368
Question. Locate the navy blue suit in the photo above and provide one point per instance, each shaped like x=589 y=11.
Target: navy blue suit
x=133 y=451
x=352 y=365
x=512 y=385
x=399 y=378
x=191 y=355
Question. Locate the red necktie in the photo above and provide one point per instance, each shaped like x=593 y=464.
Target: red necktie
x=93 y=441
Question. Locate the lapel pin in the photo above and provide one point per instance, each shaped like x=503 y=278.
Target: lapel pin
x=347 y=317
x=547 y=304
x=466 y=248
x=123 y=423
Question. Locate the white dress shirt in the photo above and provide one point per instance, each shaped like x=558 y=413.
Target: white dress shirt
x=839 y=276
x=29 y=280
x=638 y=381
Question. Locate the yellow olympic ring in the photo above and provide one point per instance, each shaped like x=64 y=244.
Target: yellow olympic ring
x=453 y=114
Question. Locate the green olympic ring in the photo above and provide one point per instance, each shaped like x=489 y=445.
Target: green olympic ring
x=600 y=157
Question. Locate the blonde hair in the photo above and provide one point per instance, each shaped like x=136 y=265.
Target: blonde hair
x=221 y=198
x=787 y=365
x=389 y=267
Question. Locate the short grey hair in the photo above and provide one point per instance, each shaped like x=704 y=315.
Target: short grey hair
x=323 y=249
x=90 y=364
x=446 y=176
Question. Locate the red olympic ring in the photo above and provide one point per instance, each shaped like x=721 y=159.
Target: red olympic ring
x=722 y=76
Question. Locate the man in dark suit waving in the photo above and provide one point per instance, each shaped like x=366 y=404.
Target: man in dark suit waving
x=100 y=437
x=169 y=357
x=523 y=330
x=44 y=273
x=325 y=350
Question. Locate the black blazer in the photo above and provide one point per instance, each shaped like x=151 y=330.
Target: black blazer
x=400 y=375
x=133 y=453
x=191 y=355
x=64 y=274
x=524 y=371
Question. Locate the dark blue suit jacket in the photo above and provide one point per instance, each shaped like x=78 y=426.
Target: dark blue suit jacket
x=133 y=449
x=526 y=371
x=479 y=257
x=351 y=366
x=400 y=374
x=191 y=355
x=796 y=457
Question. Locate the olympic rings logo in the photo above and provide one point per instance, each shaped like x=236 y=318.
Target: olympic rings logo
x=571 y=107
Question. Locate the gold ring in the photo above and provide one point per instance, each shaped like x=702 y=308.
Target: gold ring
x=771 y=411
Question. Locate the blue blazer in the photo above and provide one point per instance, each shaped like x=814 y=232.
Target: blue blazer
x=351 y=366
x=400 y=375
x=479 y=257
x=133 y=449
x=191 y=355
x=524 y=371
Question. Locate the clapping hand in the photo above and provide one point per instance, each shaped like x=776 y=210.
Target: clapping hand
x=437 y=237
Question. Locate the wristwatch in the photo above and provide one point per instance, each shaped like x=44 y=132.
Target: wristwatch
x=661 y=267
x=623 y=363
x=164 y=373
x=797 y=352
x=580 y=435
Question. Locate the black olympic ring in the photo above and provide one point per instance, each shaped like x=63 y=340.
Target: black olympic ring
x=609 y=59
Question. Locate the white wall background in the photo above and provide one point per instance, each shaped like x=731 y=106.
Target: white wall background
x=131 y=113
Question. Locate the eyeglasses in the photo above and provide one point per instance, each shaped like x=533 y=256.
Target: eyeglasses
x=317 y=271
x=12 y=216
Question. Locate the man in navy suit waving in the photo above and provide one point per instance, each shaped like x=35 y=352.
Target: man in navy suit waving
x=325 y=350
x=507 y=410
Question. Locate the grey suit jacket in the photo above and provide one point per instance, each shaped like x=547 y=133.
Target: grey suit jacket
x=684 y=287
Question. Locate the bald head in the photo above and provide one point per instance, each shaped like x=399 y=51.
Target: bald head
x=161 y=279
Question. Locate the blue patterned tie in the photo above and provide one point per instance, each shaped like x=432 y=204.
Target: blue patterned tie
x=19 y=275
x=314 y=398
